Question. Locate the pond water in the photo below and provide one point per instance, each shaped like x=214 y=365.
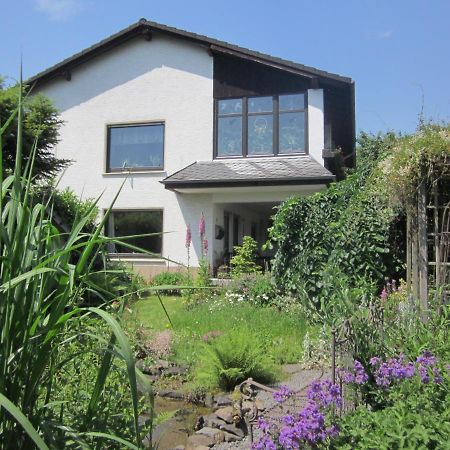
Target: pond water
x=175 y=430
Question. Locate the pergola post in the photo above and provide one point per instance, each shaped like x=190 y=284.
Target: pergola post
x=422 y=248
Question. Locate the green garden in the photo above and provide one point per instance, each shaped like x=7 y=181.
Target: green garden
x=80 y=334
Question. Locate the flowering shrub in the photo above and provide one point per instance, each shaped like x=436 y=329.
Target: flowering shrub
x=310 y=427
x=409 y=407
x=314 y=427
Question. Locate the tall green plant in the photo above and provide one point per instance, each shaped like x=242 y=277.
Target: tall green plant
x=41 y=288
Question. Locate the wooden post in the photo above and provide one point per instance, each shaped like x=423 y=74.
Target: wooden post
x=408 y=252
x=437 y=258
x=423 y=248
x=414 y=252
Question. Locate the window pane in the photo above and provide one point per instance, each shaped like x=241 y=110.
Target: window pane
x=292 y=132
x=136 y=146
x=260 y=104
x=289 y=102
x=231 y=106
x=128 y=223
x=260 y=134
x=229 y=141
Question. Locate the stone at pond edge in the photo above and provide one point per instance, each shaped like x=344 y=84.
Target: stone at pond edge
x=197 y=440
x=224 y=400
x=233 y=430
x=231 y=437
x=226 y=414
x=211 y=420
x=174 y=395
x=214 y=433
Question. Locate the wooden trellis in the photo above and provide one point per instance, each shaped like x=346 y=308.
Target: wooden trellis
x=428 y=242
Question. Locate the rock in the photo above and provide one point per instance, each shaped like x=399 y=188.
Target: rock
x=226 y=414
x=197 y=440
x=161 y=364
x=174 y=395
x=224 y=400
x=231 y=437
x=260 y=405
x=233 y=430
x=175 y=371
x=212 y=421
x=217 y=435
x=209 y=400
x=140 y=364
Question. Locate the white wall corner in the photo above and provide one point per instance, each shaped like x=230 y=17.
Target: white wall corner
x=316 y=132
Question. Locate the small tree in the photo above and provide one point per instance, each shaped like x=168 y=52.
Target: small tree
x=244 y=259
x=41 y=122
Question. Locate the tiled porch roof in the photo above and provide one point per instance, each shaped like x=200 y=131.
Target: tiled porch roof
x=250 y=172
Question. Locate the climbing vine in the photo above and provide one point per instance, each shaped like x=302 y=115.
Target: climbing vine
x=348 y=230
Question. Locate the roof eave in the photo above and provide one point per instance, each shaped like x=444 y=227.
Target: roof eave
x=171 y=185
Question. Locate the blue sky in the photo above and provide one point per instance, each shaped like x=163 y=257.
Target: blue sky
x=397 y=51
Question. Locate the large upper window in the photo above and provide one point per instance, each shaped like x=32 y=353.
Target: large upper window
x=135 y=147
x=131 y=223
x=252 y=126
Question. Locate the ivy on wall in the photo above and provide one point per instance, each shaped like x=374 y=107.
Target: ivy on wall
x=348 y=230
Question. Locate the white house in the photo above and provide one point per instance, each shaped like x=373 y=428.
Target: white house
x=187 y=125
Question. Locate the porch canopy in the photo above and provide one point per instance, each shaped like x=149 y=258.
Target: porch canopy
x=208 y=176
x=239 y=196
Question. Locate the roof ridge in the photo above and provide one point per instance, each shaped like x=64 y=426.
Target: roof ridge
x=144 y=25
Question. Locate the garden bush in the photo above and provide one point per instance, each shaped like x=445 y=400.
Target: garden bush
x=243 y=261
x=349 y=229
x=171 y=279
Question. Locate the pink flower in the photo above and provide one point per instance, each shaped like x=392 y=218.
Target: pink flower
x=384 y=294
x=188 y=236
x=202 y=226
x=205 y=247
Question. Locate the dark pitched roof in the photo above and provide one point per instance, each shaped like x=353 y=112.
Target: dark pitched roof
x=250 y=172
x=145 y=27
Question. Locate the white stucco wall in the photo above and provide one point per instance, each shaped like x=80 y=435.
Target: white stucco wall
x=162 y=80
x=316 y=134
x=167 y=80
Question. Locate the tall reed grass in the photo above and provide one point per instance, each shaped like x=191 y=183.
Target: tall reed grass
x=44 y=275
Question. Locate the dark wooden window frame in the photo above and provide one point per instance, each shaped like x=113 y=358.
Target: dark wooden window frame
x=135 y=255
x=245 y=115
x=128 y=125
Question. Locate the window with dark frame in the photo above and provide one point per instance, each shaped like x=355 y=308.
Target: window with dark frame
x=135 y=147
x=122 y=223
x=261 y=126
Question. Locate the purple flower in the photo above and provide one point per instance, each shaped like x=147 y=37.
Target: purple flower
x=384 y=294
x=356 y=375
x=437 y=376
x=375 y=361
x=324 y=393
x=265 y=443
x=426 y=359
x=205 y=247
x=202 y=226
x=188 y=236
x=263 y=425
x=282 y=394
x=423 y=373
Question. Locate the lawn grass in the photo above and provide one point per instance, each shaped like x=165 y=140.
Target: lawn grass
x=281 y=333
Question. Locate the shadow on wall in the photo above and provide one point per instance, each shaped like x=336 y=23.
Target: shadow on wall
x=127 y=62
